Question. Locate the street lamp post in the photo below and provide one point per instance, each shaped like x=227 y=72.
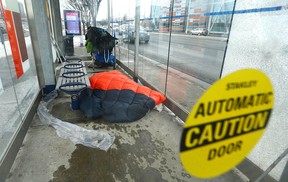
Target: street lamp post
x=84 y=18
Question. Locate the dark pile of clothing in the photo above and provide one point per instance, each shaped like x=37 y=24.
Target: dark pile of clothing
x=100 y=44
x=117 y=98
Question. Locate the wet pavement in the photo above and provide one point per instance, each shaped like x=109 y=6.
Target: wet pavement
x=145 y=150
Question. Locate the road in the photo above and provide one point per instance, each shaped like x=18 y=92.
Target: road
x=198 y=56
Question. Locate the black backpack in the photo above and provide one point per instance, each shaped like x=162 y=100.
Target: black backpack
x=100 y=38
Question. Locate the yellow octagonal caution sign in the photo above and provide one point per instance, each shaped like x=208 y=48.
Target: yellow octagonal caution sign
x=226 y=123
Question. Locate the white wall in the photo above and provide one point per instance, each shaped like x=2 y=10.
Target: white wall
x=260 y=40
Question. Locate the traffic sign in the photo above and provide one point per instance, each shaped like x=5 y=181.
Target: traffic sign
x=226 y=123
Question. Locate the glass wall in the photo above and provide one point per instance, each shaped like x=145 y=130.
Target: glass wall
x=258 y=40
x=196 y=54
x=10 y=114
x=182 y=45
x=18 y=79
x=187 y=46
x=124 y=32
x=153 y=45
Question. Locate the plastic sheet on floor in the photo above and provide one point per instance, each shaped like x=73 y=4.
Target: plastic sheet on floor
x=77 y=134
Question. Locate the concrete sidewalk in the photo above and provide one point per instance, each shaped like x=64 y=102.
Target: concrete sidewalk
x=145 y=150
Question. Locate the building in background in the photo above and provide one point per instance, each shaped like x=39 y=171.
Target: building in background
x=220 y=16
x=155 y=14
x=196 y=14
x=213 y=15
x=164 y=16
x=179 y=16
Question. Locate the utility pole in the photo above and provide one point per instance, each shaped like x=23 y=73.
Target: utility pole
x=94 y=11
x=187 y=18
x=136 y=42
x=109 y=17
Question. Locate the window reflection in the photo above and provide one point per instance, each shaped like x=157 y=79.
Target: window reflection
x=9 y=113
x=18 y=79
x=197 y=45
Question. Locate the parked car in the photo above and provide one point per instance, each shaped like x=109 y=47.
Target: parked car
x=199 y=31
x=129 y=35
x=148 y=29
x=156 y=30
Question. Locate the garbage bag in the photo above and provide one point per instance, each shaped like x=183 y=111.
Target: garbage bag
x=77 y=134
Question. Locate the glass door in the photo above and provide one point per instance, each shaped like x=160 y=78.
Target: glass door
x=9 y=111
x=19 y=85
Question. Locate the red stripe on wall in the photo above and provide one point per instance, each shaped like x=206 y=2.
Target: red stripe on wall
x=13 y=42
